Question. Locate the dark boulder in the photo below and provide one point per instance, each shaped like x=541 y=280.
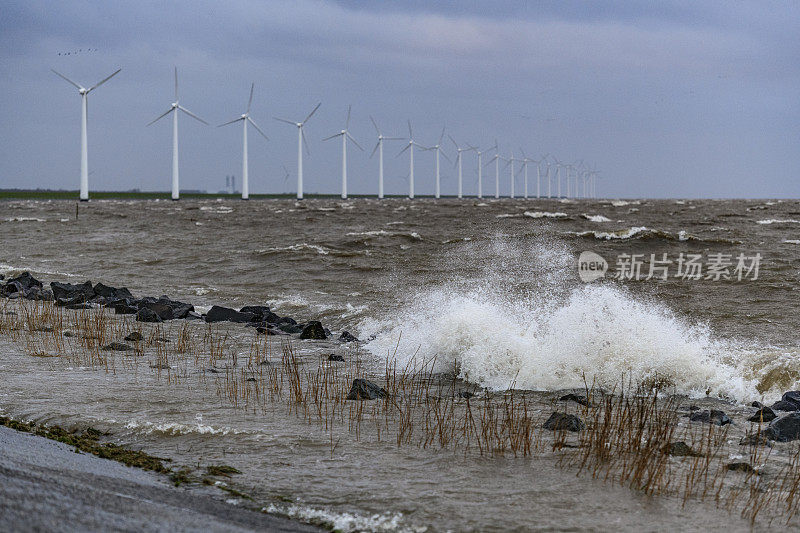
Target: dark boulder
x=745 y=468
x=792 y=396
x=363 y=389
x=784 y=429
x=134 y=337
x=563 y=421
x=289 y=328
x=258 y=310
x=285 y=320
x=112 y=293
x=225 y=314
x=757 y=404
x=26 y=281
x=270 y=331
x=346 y=336
x=313 y=330
x=577 y=398
x=713 y=416
x=465 y=394
x=13 y=287
x=117 y=347
x=77 y=306
x=70 y=292
x=680 y=449
x=193 y=315
x=165 y=308
x=335 y=357
x=122 y=307
x=147 y=315
x=765 y=414
x=782 y=405
x=757 y=439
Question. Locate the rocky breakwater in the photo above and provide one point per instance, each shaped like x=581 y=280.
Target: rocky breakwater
x=151 y=309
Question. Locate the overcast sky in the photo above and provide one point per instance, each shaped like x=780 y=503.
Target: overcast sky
x=685 y=99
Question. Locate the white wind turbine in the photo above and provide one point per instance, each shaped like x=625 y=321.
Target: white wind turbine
x=496 y=160
x=345 y=135
x=245 y=118
x=510 y=162
x=438 y=149
x=410 y=146
x=525 y=160
x=549 y=178
x=84 y=195
x=174 y=108
x=301 y=140
x=480 y=167
x=459 y=150
x=379 y=148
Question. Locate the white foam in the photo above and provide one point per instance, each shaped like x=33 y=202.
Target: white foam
x=792 y=241
x=295 y=248
x=175 y=428
x=596 y=218
x=339 y=521
x=544 y=214
x=777 y=221
x=613 y=235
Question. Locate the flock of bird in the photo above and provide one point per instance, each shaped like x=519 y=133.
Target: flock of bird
x=579 y=178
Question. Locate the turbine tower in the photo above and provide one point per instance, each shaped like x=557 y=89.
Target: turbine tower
x=379 y=148
x=525 y=160
x=345 y=135
x=480 y=167
x=301 y=140
x=245 y=118
x=84 y=195
x=174 y=108
x=511 y=164
x=458 y=164
x=410 y=146
x=438 y=149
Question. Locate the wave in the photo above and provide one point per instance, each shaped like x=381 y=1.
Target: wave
x=346 y=522
x=777 y=221
x=175 y=428
x=301 y=247
x=25 y=219
x=544 y=214
x=596 y=218
x=645 y=233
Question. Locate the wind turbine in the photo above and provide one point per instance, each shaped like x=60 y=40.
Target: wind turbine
x=84 y=195
x=379 y=148
x=410 y=145
x=174 y=108
x=345 y=134
x=245 y=118
x=438 y=149
x=525 y=160
x=480 y=167
x=496 y=160
x=511 y=163
x=458 y=164
x=301 y=140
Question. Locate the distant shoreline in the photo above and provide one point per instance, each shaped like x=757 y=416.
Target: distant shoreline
x=47 y=194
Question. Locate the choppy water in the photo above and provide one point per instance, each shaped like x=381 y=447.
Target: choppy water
x=492 y=285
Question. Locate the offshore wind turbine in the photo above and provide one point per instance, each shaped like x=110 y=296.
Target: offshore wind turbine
x=379 y=148
x=525 y=160
x=480 y=167
x=84 y=194
x=345 y=135
x=458 y=164
x=301 y=140
x=438 y=149
x=511 y=163
x=410 y=147
x=496 y=160
x=174 y=108
x=245 y=118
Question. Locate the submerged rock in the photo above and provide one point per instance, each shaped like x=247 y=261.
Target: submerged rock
x=765 y=414
x=756 y=439
x=563 y=421
x=313 y=330
x=465 y=394
x=741 y=467
x=784 y=429
x=363 y=389
x=335 y=357
x=346 y=336
x=225 y=314
x=680 y=449
x=577 y=398
x=134 y=337
x=117 y=347
x=710 y=417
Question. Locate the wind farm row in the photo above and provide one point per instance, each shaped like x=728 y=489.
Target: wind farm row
x=579 y=179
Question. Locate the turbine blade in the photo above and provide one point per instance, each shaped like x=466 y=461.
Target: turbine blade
x=354 y=141
x=305 y=142
x=394 y=139
x=403 y=150
x=445 y=155
x=312 y=113
x=377 y=130
x=67 y=79
x=331 y=137
x=453 y=141
x=250 y=101
x=374 y=150
x=410 y=133
x=101 y=82
x=347 y=122
x=441 y=136
x=257 y=128
x=192 y=115
x=231 y=122
x=285 y=120
x=167 y=112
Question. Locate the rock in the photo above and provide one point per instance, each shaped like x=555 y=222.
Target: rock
x=147 y=315
x=313 y=330
x=78 y=306
x=363 y=389
x=162 y=309
x=577 y=398
x=346 y=336
x=694 y=408
x=117 y=347
x=757 y=404
x=225 y=314
x=784 y=429
x=122 y=308
x=112 y=293
x=710 y=417
x=68 y=291
x=134 y=337
x=792 y=396
x=680 y=449
x=782 y=405
x=13 y=287
x=69 y=334
x=212 y=370
x=192 y=315
x=269 y=331
x=14 y=295
x=160 y=366
x=741 y=467
x=286 y=320
x=465 y=394
x=335 y=357
x=26 y=280
x=563 y=421
x=259 y=311
x=289 y=328
x=167 y=309
x=765 y=414
x=756 y=439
